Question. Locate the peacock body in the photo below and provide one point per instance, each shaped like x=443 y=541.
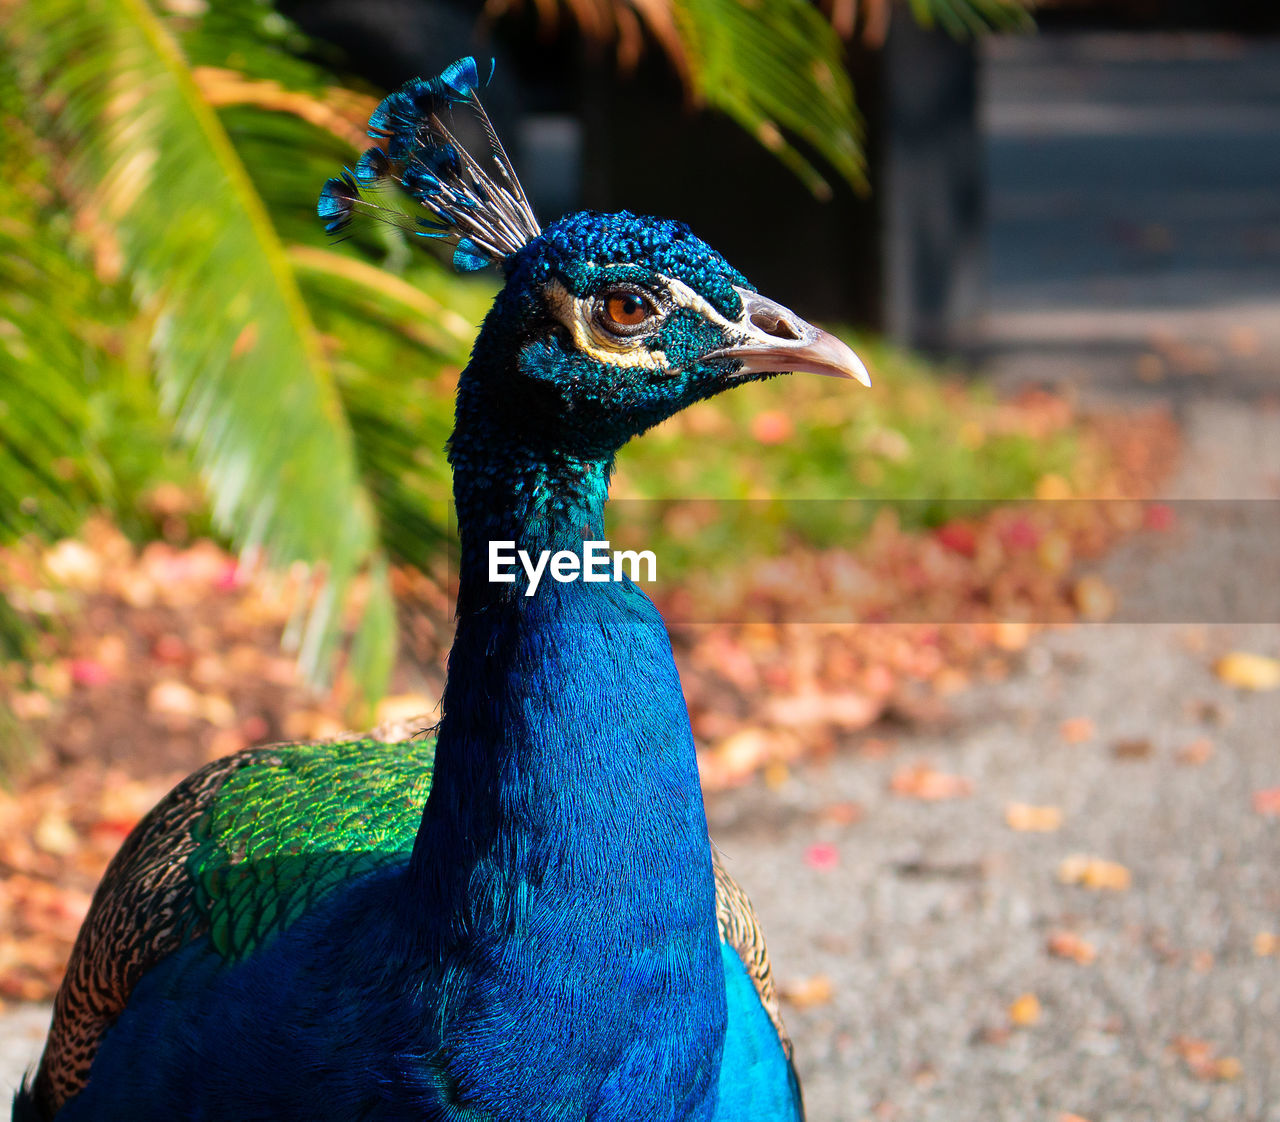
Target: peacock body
x=517 y=916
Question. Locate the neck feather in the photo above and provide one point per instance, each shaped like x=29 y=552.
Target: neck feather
x=565 y=825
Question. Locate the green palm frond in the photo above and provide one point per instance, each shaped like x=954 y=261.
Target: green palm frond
x=43 y=411
x=392 y=343
x=238 y=359
x=963 y=18
x=777 y=68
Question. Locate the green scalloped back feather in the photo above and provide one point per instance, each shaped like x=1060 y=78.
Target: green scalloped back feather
x=286 y=830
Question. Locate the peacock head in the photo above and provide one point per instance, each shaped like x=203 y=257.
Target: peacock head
x=607 y=323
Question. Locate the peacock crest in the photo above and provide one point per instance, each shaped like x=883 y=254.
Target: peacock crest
x=478 y=204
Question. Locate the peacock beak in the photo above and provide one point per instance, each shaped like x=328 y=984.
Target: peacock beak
x=773 y=339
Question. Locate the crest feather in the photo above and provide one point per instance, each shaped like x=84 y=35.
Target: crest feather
x=477 y=203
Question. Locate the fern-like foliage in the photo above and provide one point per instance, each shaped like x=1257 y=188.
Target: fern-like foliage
x=237 y=356
x=44 y=412
x=963 y=18
x=777 y=68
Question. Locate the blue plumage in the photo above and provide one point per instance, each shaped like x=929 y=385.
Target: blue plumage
x=482 y=208
x=292 y=935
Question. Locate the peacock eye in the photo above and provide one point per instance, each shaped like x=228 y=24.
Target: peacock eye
x=624 y=310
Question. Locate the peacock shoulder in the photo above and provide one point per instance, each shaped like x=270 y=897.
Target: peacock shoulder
x=235 y=853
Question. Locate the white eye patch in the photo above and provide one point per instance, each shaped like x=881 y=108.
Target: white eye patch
x=576 y=314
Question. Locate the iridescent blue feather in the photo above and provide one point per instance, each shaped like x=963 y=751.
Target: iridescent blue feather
x=476 y=203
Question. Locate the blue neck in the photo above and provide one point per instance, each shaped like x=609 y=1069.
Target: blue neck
x=574 y=903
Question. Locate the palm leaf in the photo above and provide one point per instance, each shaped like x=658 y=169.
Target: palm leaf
x=774 y=66
x=964 y=18
x=392 y=342
x=238 y=360
x=43 y=411
x=777 y=67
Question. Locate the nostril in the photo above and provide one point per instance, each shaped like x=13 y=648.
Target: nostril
x=774 y=325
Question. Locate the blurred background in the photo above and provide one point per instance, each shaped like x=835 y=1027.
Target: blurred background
x=983 y=664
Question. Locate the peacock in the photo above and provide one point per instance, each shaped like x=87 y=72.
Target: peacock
x=516 y=915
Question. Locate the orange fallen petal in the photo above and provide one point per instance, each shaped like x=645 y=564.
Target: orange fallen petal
x=1025 y=1010
x=1066 y=944
x=924 y=782
x=1094 y=873
x=1033 y=819
x=1248 y=671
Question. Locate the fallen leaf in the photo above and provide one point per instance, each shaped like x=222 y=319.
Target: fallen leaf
x=959 y=537
x=923 y=781
x=1094 y=873
x=1202 y=1061
x=1207 y=712
x=1095 y=600
x=1225 y=1069
x=1267 y=801
x=217 y=710
x=822 y=856
x=89 y=672
x=743 y=751
x=776 y=775
x=169 y=648
x=1191 y=1049
x=1197 y=753
x=1012 y=635
x=1025 y=1010
x=54 y=833
x=31 y=705
x=841 y=814
x=1265 y=943
x=1248 y=671
x=1076 y=730
x=1134 y=748
x=805 y=993
x=312 y=724
x=1020 y=533
x=1066 y=944
x=1033 y=819
x=403 y=707
x=847 y=709
x=1054 y=552
x=173 y=699
x=992 y=1034
x=74 y=564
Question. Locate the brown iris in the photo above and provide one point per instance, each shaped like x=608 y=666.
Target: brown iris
x=623 y=308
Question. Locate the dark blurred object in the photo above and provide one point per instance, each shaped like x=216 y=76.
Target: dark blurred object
x=930 y=191
x=1246 y=16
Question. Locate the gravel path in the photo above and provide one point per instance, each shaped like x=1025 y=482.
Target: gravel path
x=935 y=918
x=1135 y=257
x=913 y=929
